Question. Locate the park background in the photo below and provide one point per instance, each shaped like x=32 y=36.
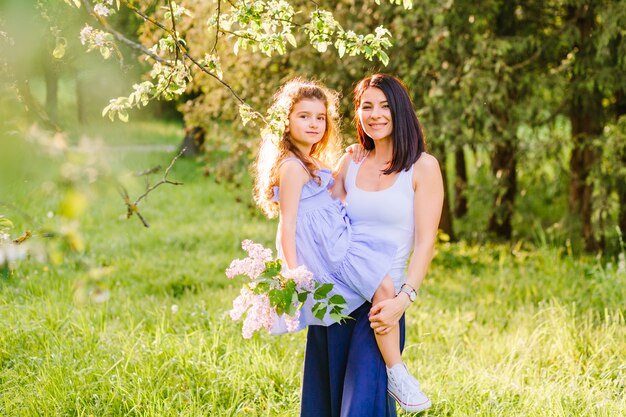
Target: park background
x=522 y=102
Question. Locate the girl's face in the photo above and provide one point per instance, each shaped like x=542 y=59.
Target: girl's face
x=375 y=114
x=307 y=123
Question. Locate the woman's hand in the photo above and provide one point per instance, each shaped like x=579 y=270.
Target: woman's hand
x=357 y=152
x=387 y=313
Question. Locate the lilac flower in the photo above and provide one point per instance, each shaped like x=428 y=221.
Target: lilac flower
x=258 y=316
x=301 y=276
x=293 y=322
x=253 y=303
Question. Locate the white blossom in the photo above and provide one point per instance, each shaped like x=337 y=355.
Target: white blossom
x=101 y=10
x=99 y=39
x=85 y=34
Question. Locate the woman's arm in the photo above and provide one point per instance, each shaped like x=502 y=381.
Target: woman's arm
x=427 y=204
x=339 y=174
x=292 y=179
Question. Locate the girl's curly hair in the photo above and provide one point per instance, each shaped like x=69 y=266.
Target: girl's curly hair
x=273 y=149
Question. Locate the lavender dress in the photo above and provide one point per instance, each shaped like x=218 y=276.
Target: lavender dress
x=329 y=247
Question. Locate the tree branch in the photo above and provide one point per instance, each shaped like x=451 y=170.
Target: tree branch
x=133 y=207
x=174 y=32
x=217 y=27
x=31 y=103
x=164 y=180
x=183 y=49
x=124 y=39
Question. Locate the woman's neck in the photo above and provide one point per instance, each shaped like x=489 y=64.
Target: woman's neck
x=383 y=151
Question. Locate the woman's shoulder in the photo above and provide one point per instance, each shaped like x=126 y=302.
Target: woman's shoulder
x=426 y=162
x=425 y=167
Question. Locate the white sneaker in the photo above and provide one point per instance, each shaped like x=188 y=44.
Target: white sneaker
x=406 y=390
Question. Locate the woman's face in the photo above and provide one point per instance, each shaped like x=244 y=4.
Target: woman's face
x=375 y=114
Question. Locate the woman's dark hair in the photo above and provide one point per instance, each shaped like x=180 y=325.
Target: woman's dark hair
x=407 y=137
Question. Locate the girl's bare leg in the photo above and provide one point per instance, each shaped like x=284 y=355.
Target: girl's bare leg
x=388 y=344
x=400 y=384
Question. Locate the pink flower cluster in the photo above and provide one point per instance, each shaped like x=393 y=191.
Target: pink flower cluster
x=301 y=276
x=257 y=309
x=259 y=312
x=253 y=265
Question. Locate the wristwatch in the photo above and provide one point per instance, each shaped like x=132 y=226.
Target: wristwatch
x=410 y=291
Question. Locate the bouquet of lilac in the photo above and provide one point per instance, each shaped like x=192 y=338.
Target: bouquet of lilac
x=273 y=292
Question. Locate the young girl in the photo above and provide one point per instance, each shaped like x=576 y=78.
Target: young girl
x=292 y=179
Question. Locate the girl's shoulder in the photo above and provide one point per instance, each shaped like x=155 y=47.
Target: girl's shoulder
x=293 y=168
x=290 y=160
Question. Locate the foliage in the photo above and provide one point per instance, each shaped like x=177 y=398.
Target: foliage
x=275 y=293
x=496 y=329
x=484 y=76
x=263 y=26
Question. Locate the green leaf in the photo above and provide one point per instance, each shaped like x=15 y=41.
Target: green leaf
x=291 y=39
x=5 y=223
x=59 y=50
x=302 y=296
x=341 y=48
x=280 y=300
x=261 y=287
x=319 y=310
x=321 y=292
x=105 y=52
x=384 y=58
x=337 y=300
x=272 y=268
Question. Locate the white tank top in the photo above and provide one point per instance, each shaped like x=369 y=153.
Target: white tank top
x=386 y=214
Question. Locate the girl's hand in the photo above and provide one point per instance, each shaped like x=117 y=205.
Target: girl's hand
x=387 y=313
x=357 y=152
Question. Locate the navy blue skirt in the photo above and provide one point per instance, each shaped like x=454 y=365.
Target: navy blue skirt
x=344 y=372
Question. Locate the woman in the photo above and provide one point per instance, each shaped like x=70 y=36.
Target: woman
x=395 y=193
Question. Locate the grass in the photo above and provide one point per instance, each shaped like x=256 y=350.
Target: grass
x=497 y=330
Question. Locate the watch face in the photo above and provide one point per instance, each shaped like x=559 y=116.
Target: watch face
x=410 y=293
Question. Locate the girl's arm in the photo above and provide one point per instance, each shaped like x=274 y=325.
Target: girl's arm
x=292 y=179
x=427 y=203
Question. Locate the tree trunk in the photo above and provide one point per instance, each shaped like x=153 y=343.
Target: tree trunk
x=445 y=223
x=193 y=142
x=460 y=183
x=503 y=159
x=81 y=99
x=621 y=180
x=581 y=162
x=621 y=191
x=503 y=167
x=51 y=74
x=586 y=119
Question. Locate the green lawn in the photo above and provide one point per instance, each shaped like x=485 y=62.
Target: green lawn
x=497 y=330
